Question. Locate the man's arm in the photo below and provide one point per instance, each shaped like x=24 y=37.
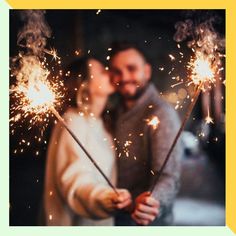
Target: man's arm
x=165 y=190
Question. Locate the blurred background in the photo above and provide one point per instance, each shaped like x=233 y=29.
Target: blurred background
x=201 y=199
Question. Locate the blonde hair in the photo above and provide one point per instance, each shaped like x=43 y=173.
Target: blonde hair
x=83 y=98
x=77 y=84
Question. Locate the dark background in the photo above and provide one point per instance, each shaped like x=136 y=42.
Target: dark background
x=84 y=30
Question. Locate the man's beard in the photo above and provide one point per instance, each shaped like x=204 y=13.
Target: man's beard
x=139 y=92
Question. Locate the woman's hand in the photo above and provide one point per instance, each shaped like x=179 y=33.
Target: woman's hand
x=123 y=199
x=111 y=201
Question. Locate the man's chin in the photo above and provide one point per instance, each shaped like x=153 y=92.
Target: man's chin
x=127 y=95
x=132 y=96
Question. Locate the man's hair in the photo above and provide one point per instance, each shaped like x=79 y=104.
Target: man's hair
x=119 y=46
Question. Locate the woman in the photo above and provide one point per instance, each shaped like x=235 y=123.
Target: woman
x=75 y=192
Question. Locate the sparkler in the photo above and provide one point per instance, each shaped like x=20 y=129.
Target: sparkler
x=204 y=66
x=202 y=75
x=37 y=96
x=33 y=92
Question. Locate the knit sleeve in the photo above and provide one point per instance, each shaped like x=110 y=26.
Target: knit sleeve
x=161 y=140
x=76 y=182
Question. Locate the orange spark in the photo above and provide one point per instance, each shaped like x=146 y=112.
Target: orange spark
x=209 y=119
x=154 y=122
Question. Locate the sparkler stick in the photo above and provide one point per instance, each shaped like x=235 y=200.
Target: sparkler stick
x=57 y=115
x=186 y=117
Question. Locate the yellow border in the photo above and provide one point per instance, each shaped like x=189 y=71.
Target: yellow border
x=118 y=4
x=230 y=117
x=230 y=84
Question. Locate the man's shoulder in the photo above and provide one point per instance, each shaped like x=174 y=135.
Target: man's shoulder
x=156 y=100
x=160 y=105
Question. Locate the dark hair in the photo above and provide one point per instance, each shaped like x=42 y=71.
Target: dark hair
x=75 y=74
x=119 y=46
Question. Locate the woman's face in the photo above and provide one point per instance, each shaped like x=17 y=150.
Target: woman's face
x=99 y=83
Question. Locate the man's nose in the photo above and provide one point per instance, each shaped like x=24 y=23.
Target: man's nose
x=125 y=76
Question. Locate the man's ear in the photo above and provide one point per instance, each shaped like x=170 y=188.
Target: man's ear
x=148 y=71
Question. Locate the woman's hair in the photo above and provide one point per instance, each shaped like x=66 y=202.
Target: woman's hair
x=76 y=82
x=77 y=78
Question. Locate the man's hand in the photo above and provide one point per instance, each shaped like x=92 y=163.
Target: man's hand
x=146 y=209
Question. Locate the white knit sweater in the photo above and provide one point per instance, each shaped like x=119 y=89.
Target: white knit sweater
x=72 y=184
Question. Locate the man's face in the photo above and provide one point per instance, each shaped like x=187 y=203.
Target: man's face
x=129 y=73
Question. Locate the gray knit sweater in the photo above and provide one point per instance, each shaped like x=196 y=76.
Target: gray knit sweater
x=141 y=151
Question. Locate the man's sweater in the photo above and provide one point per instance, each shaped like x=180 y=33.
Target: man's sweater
x=141 y=150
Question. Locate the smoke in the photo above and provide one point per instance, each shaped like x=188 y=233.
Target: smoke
x=35 y=32
x=202 y=36
x=29 y=65
x=30 y=70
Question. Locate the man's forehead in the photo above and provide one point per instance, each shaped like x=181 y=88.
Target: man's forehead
x=130 y=55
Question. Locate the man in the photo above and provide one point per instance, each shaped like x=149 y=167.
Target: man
x=141 y=148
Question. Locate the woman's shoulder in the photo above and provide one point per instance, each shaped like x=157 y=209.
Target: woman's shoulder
x=73 y=117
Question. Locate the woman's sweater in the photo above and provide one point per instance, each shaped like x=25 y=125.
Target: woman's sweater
x=73 y=186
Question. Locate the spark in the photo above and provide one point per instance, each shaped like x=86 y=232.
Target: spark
x=216 y=139
x=174 y=85
x=209 y=119
x=77 y=52
x=53 y=53
x=154 y=122
x=98 y=11
x=33 y=93
x=202 y=70
x=127 y=143
x=181 y=54
x=172 y=58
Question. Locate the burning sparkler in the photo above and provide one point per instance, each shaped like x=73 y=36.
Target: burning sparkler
x=204 y=66
x=33 y=92
x=35 y=95
x=39 y=97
